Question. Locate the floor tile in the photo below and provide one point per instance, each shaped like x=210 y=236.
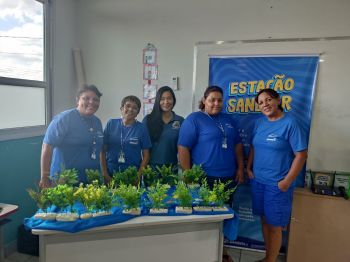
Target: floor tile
x=17 y=257
x=251 y=256
x=235 y=253
x=33 y=259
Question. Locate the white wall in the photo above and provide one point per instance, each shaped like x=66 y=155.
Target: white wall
x=64 y=38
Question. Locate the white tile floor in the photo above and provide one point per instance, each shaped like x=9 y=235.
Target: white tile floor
x=19 y=257
x=238 y=255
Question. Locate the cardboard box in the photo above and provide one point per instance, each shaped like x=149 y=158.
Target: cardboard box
x=322 y=182
x=341 y=179
x=323 y=178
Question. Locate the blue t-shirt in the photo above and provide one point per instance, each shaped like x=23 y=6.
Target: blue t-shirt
x=164 y=151
x=76 y=141
x=202 y=134
x=130 y=140
x=275 y=143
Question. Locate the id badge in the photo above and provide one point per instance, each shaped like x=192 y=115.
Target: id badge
x=224 y=143
x=93 y=155
x=121 y=158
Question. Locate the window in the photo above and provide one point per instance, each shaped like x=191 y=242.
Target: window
x=24 y=79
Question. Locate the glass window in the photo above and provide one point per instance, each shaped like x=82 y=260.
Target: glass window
x=23 y=79
x=22 y=106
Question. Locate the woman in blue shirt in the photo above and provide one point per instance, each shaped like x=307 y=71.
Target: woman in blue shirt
x=164 y=126
x=74 y=138
x=126 y=141
x=210 y=138
x=278 y=153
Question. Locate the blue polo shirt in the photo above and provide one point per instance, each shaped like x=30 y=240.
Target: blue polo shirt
x=164 y=151
x=202 y=135
x=129 y=139
x=74 y=138
x=275 y=144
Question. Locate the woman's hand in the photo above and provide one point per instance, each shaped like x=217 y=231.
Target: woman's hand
x=283 y=185
x=45 y=182
x=107 y=179
x=250 y=174
x=240 y=175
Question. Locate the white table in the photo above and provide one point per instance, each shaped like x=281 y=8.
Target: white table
x=146 y=238
x=6 y=210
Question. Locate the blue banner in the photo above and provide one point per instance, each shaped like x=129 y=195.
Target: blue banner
x=241 y=78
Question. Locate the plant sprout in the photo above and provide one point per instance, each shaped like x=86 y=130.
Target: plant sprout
x=128 y=177
x=183 y=195
x=130 y=195
x=93 y=175
x=193 y=175
x=157 y=194
x=166 y=175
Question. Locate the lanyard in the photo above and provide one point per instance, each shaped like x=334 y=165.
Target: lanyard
x=218 y=124
x=221 y=127
x=122 y=141
x=92 y=131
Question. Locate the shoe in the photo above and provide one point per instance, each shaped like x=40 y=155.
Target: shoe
x=227 y=258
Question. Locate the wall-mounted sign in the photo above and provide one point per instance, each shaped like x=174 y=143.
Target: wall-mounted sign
x=150 y=54
x=149 y=91
x=150 y=72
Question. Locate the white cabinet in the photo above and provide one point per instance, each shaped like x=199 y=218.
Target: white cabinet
x=149 y=239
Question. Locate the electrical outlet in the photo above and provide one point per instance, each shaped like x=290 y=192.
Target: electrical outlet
x=175 y=83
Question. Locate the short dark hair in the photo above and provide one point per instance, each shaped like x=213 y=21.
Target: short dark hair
x=273 y=93
x=134 y=99
x=86 y=88
x=207 y=92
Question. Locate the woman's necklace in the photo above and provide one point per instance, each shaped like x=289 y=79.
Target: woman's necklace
x=121 y=157
x=221 y=127
x=90 y=127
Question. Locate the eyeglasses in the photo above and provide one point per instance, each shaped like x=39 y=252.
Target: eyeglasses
x=90 y=99
x=131 y=108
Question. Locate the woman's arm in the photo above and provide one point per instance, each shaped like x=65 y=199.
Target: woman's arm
x=184 y=157
x=145 y=159
x=250 y=162
x=240 y=163
x=103 y=164
x=45 y=163
x=144 y=162
x=297 y=165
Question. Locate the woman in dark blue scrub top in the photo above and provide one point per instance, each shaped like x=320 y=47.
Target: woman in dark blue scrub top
x=163 y=126
x=278 y=153
x=74 y=138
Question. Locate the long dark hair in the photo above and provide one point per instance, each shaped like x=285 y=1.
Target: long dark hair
x=207 y=92
x=154 y=119
x=271 y=92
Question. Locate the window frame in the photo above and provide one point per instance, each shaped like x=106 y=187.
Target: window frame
x=32 y=131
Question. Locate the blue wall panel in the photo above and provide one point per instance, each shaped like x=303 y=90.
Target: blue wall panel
x=19 y=170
